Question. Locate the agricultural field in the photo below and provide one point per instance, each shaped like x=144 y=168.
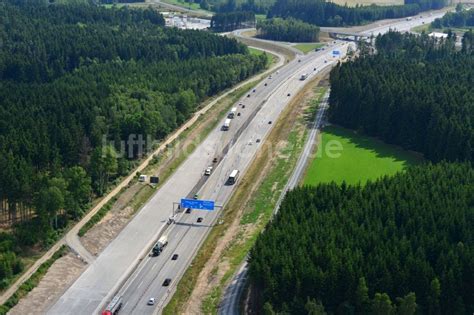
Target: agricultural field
x=353 y=3
x=344 y=155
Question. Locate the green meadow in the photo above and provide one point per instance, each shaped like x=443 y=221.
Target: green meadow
x=344 y=155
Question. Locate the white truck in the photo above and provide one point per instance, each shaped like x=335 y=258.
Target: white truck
x=160 y=245
x=232 y=112
x=226 y=125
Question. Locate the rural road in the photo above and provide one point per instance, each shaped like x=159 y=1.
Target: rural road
x=71 y=237
x=186 y=236
x=230 y=302
x=235 y=150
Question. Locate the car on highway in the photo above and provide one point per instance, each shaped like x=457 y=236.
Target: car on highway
x=238 y=114
x=188 y=210
x=243 y=106
x=214 y=160
x=175 y=257
x=266 y=84
x=248 y=95
x=167 y=282
x=254 y=90
x=208 y=171
x=289 y=94
x=151 y=301
x=325 y=61
x=258 y=140
x=270 y=77
x=269 y=122
x=199 y=220
x=196 y=196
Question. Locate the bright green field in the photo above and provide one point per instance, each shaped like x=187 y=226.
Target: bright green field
x=360 y=158
x=307 y=47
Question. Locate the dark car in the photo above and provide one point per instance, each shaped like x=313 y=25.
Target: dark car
x=188 y=210
x=175 y=257
x=270 y=122
x=199 y=220
x=299 y=60
x=254 y=90
x=266 y=84
x=214 y=160
x=258 y=140
x=289 y=94
x=243 y=106
x=167 y=282
x=248 y=95
x=238 y=114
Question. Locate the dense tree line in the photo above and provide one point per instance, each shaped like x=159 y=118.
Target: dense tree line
x=76 y=83
x=43 y=44
x=325 y=13
x=225 y=22
x=400 y=245
x=322 y=13
x=415 y=92
x=287 y=30
x=460 y=18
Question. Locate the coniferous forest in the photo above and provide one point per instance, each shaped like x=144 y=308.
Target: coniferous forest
x=75 y=76
x=415 y=92
x=461 y=19
x=402 y=244
x=287 y=30
x=325 y=13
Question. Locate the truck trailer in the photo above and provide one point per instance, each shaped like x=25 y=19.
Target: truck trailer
x=160 y=245
x=232 y=112
x=226 y=125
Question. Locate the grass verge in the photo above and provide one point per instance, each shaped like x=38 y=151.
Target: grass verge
x=344 y=155
x=99 y=215
x=190 y=6
x=32 y=282
x=307 y=47
x=248 y=199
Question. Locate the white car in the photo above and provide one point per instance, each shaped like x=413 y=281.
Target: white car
x=151 y=301
x=208 y=171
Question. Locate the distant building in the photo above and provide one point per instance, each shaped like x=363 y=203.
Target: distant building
x=438 y=35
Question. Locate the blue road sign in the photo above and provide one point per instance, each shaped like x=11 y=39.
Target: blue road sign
x=197 y=204
x=336 y=52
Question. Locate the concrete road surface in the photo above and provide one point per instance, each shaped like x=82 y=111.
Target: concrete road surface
x=186 y=235
x=231 y=298
x=93 y=288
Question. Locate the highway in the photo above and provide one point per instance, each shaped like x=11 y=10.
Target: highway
x=230 y=301
x=186 y=235
x=235 y=149
x=117 y=267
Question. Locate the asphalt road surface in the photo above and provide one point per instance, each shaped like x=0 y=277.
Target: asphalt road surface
x=186 y=235
x=105 y=275
x=230 y=301
x=231 y=298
